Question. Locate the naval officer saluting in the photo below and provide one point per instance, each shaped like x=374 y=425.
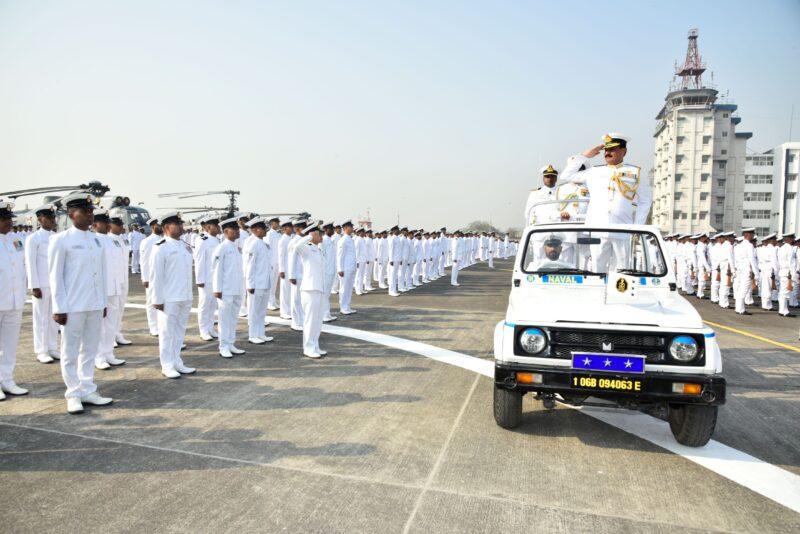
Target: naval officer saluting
x=171 y=283
x=312 y=286
x=77 y=269
x=228 y=284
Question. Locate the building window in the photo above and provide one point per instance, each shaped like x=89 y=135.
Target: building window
x=683 y=216
x=760 y=161
x=706 y=158
x=723 y=151
x=720 y=201
x=724 y=134
x=757 y=197
x=678 y=177
x=790 y=158
x=706 y=139
x=724 y=115
x=703 y=196
x=676 y=215
x=704 y=177
x=703 y=215
x=721 y=182
x=755 y=214
x=790 y=196
x=792 y=177
x=678 y=195
x=679 y=158
x=718 y=220
x=758 y=178
x=681 y=139
x=721 y=164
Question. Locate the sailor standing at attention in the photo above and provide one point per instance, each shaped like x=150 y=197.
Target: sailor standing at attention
x=369 y=266
x=257 y=258
x=273 y=238
x=361 y=259
x=284 y=286
x=617 y=192
x=329 y=270
x=312 y=286
x=77 y=270
x=203 y=253
x=393 y=255
x=786 y=266
x=135 y=239
x=145 y=253
x=228 y=286
x=117 y=232
x=346 y=267
x=172 y=294
x=337 y=235
x=45 y=329
x=746 y=270
x=295 y=276
x=457 y=245
x=12 y=300
x=116 y=286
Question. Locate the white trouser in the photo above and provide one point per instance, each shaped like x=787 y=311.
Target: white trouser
x=358 y=282
x=243 y=305
x=297 y=305
x=286 y=297
x=416 y=274
x=328 y=279
x=714 y=286
x=783 y=294
x=346 y=291
x=454 y=273
x=376 y=271
x=256 y=312
x=490 y=259
x=312 y=320
x=368 y=275
x=272 y=300
x=172 y=323
x=228 y=315
x=748 y=297
x=741 y=289
x=795 y=289
x=409 y=271
x=725 y=288
x=45 y=329
x=613 y=254
x=10 y=324
x=135 y=261
x=392 y=269
x=79 y=339
x=121 y=314
x=380 y=273
x=206 y=306
x=701 y=282
x=108 y=333
x=765 y=289
x=152 y=317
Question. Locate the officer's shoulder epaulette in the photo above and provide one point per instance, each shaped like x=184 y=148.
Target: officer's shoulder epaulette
x=161 y=242
x=204 y=237
x=634 y=166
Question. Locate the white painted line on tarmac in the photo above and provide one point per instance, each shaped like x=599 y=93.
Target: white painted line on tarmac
x=772 y=482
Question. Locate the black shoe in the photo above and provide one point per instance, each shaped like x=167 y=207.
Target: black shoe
x=744 y=313
x=787 y=315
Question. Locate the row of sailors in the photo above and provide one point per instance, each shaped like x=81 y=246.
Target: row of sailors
x=770 y=265
x=79 y=281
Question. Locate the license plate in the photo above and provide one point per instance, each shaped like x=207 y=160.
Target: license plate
x=606 y=383
x=608 y=363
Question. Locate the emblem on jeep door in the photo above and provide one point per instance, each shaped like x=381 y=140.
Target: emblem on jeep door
x=622 y=285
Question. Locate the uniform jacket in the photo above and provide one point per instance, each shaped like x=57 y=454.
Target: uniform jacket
x=77 y=270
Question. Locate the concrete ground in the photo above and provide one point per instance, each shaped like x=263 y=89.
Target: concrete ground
x=374 y=439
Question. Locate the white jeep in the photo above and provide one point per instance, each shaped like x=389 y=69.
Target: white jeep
x=594 y=318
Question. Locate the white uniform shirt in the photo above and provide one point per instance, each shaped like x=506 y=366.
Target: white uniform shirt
x=294 y=263
x=172 y=271
x=257 y=263
x=283 y=253
x=77 y=270
x=272 y=239
x=345 y=255
x=145 y=255
x=226 y=269
x=12 y=273
x=203 y=253
x=36 y=258
x=136 y=237
x=311 y=260
x=456 y=248
x=786 y=260
x=616 y=192
x=361 y=249
x=116 y=264
x=329 y=255
x=745 y=257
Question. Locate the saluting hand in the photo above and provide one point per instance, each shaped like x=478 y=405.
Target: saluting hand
x=592 y=152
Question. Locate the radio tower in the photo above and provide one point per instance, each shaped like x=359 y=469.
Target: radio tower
x=691 y=72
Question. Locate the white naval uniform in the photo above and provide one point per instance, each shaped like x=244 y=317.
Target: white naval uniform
x=145 y=257
x=382 y=262
x=77 y=270
x=786 y=266
x=727 y=265
x=135 y=238
x=116 y=254
x=457 y=250
x=12 y=301
x=257 y=258
x=746 y=265
x=295 y=273
x=703 y=267
x=408 y=263
x=311 y=288
x=206 y=303
x=329 y=257
x=346 y=263
x=369 y=259
x=361 y=263
x=768 y=264
x=393 y=260
x=45 y=329
x=172 y=287
x=272 y=239
x=285 y=287
x=337 y=283
x=227 y=278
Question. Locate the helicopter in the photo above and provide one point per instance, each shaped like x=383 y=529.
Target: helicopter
x=118 y=206
x=229 y=210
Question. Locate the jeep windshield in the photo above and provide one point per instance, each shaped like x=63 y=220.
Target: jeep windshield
x=593 y=252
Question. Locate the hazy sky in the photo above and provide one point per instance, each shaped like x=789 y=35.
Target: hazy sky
x=439 y=111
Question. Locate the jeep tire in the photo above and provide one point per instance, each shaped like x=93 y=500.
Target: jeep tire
x=692 y=425
x=507 y=407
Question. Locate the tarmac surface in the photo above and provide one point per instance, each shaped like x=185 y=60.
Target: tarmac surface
x=378 y=439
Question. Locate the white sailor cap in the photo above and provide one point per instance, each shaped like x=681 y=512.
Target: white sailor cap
x=347 y=222
x=769 y=236
x=614 y=139
x=46 y=209
x=310 y=228
x=101 y=214
x=740 y=238
x=152 y=220
x=750 y=229
x=695 y=236
x=231 y=221
x=257 y=220
x=715 y=236
x=6 y=209
x=78 y=199
x=170 y=217
x=548 y=170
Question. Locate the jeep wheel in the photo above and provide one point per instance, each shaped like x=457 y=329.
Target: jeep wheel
x=507 y=407
x=692 y=425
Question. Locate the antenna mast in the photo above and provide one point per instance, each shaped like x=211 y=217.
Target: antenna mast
x=691 y=73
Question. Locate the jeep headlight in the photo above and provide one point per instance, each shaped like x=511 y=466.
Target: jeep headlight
x=683 y=348
x=532 y=340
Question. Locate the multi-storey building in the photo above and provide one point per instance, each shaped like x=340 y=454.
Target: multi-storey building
x=770 y=201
